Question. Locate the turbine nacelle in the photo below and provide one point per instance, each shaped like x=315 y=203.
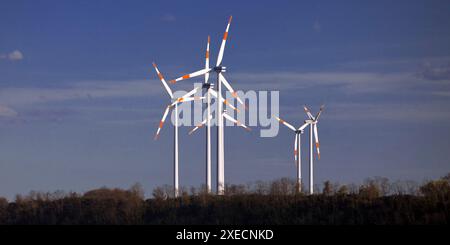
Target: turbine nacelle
x=207 y=85
x=298 y=131
x=219 y=69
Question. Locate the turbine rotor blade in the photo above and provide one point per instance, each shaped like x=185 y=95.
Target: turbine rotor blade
x=193 y=98
x=193 y=91
x=228 y=117
x=320 y=112
x=161 y=77
x=183 y=99
x=303 y=126
x=224 y=41
x=161 y=123
x=316 y=136
x=191 y=75
x=200 y=125
x=228 y=86
x=308 y=112
x=285 y=123
x=226 y=102
x=207 y=61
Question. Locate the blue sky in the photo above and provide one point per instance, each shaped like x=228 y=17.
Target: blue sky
x=79 y=102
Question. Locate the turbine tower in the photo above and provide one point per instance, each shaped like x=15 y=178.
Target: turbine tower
x=207 y=87
x=174 y=104
x=312 y=121
x=297 y=149
x=219 y=69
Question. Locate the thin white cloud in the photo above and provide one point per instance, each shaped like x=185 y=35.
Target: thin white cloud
x=15 y=55
x=81 y=90
x=420 y=66
x=6 y=111
x=442 y=93
x=317 y=27
x=347 y=82
x=437 y=72
x=390 y=112
x=376 y=112
x=168 y=18
x=350 y=82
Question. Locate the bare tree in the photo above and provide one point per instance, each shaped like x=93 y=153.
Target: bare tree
x=343 y=190
x=327 y=188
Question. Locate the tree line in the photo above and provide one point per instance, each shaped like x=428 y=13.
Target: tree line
x=376 y=201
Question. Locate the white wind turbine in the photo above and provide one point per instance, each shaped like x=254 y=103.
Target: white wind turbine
x=208 y=87
x=219 y=69
x=174 y=104
x=312 y=122
x=297 y=149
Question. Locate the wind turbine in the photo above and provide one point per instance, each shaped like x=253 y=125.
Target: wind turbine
x=219 y=69
x=312 y=121
x=174 y=104
x=297 y=149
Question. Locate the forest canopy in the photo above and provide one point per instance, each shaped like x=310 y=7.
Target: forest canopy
x=376 y=201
